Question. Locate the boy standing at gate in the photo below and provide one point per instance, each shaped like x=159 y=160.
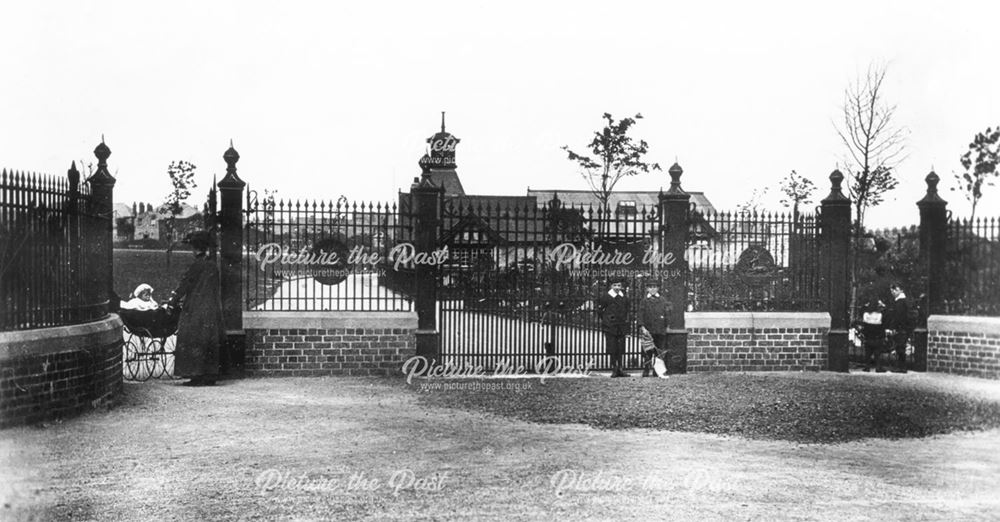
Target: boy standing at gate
x=613 y=310
x=653 y=312
x=898 y=325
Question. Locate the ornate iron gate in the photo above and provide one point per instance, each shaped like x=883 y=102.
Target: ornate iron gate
x=519 y=287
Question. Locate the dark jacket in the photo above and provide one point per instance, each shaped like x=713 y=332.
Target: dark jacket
x=613 y=313
x=897 y=317
x=653 y=314
x=200 y=331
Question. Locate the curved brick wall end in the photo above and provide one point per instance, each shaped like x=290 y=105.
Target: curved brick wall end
x=765 y=341
x=964 y=345
x=52 y=373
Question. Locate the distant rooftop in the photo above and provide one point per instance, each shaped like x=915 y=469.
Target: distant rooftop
x=641 y=198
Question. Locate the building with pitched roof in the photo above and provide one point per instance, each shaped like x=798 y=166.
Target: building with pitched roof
x=498 y=226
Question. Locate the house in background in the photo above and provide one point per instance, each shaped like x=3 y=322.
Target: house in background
x=146 y=224
x=122 y=224
x=189 y=220
x=495 y=229
x=143 y=223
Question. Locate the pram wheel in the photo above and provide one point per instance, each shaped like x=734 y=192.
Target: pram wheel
x=137 y=364
x=149 y=340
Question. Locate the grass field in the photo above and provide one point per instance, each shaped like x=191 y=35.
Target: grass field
x=133 y=267
x=379 y=449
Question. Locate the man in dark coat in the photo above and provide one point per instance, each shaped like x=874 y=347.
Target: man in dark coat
x=200 y=331
x=613 y=310
x=653 y=312
x=898 y=325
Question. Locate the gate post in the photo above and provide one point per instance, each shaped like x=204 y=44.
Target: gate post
x=674 y=209
x=426 y=208
x=933 y=239
x=836 y=227
x=231 y=253
x=101 y=207
x=73 y=218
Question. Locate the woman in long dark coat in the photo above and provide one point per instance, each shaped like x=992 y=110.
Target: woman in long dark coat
x=200 y=331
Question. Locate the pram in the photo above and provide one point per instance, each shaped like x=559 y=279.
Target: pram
x=149 y=342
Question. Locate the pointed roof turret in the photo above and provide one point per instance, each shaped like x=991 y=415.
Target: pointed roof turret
x=442 y=148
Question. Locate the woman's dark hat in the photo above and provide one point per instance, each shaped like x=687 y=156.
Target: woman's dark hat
x=200 y=240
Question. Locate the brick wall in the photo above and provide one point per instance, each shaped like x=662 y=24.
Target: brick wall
x=757 y=341
x=964 y=345
x=328 y=343
x=54 y=373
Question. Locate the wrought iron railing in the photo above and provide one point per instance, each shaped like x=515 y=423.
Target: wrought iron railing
x=971 y=282
x=50 y=248
x=322 y=255
x=750 y=261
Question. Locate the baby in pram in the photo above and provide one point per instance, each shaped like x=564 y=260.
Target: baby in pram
x=141 y=299
x=143 y=316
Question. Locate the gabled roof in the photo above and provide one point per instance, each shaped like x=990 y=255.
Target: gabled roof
x=122 y=210
x=186 y=211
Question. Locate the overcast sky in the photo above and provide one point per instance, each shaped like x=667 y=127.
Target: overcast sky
x=323 y=100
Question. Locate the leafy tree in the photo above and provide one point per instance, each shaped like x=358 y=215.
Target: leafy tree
x=612 y=155
x=798 y=190
x=980 y=163
x=181 y=175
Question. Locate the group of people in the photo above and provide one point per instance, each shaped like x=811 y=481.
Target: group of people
x=200 y=331
x=614 y=309
x=886 y=329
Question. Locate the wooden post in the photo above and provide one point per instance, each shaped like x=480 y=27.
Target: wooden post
x=231 y=263
x=101 y=210
x=426 y=208
x=674 y=210
x=933 y=242
x=836 y=227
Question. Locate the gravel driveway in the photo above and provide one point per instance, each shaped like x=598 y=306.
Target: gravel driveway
x=367 y=448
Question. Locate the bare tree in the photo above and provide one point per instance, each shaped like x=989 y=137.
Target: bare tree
x=875 y=143
x=875 y=146
x=615 y=156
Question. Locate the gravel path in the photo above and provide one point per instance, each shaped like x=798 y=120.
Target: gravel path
x=356 y=448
